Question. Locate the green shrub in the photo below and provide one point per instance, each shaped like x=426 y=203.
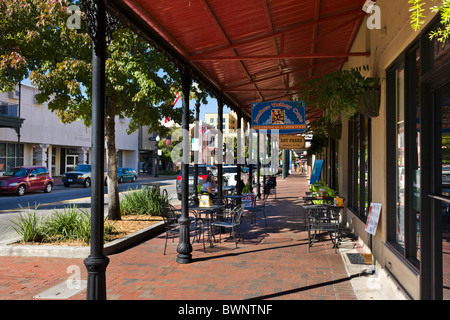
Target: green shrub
x=29 y=226
x=71 y=223
x=143 y=201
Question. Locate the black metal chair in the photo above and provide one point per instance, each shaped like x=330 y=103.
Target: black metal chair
x=257 y=208
x=233 y=222
x=270 y=186
x=322 y=218
x=170 y=217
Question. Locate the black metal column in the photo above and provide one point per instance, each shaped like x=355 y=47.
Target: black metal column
x=250 y=158
x=18 y=129
x=97 y=262
x=184 y=248
x=258 y=165
x=220 y=148
x=239 y=153
x=196 y=153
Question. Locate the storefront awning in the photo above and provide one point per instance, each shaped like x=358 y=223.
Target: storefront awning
x=253 y=50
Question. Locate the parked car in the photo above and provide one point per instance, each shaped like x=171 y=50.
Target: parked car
x=20 y=180
x=230 y=175
x=81 y=175
x=202 y=173
x=126 y=174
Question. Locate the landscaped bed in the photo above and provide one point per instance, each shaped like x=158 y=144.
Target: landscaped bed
x=71 y=226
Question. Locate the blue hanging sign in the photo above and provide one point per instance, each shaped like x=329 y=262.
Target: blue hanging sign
x=286 y=116
x=317 y=169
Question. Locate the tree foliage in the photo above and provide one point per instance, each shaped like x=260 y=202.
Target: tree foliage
x=417 y=18
x=141 y=83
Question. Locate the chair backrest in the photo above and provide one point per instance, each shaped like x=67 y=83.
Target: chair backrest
x=254 y=202
x=237 y=213
x=169 y=215
x=317 y=212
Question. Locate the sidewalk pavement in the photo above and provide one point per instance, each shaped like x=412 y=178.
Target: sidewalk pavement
x=272 y=263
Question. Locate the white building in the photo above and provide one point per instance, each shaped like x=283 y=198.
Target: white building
x=45 y=140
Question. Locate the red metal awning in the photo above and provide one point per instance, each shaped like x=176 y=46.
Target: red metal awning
x=251 y=50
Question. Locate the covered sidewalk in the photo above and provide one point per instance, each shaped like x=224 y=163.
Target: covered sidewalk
x=273 y=263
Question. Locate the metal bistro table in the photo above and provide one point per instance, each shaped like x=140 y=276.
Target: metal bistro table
x=310 y=199
x=208 y=212
x=232 y=197
x=323 y=217
x=228 y=188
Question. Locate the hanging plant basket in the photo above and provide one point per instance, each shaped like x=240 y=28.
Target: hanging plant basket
x=335 y=131
x=369 y=103
x=318 y=142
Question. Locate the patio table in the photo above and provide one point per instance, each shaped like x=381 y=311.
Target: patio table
x=323 y=217
x=208 y=212
x=310 y=199
x=228 y=188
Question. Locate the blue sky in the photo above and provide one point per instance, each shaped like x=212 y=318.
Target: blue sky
x=210 y=107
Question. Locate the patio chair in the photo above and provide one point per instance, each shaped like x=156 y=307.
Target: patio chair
x=234 y=222
x=270 y=186
x=170 y=217
x=257 y=208
x=322 y=218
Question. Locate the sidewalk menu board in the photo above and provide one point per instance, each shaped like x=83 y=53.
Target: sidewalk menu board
x=248 y=200
x=372 y=219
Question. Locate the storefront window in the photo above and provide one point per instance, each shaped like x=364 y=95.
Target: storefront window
x=415 y=162
x=359 y=170
x=9 y=156
x=403 y=157
x=400 y=152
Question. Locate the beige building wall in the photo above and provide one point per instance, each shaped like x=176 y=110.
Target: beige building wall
x=385 y=46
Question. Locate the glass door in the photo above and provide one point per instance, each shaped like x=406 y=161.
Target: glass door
x=71 y=162
x=441 y=194
x=444 y=95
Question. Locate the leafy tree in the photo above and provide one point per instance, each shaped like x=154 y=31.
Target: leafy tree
x=35 y=41
x=417 y=18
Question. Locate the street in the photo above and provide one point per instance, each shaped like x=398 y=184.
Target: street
x=43 y=203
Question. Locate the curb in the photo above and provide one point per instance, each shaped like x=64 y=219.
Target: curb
x=6 y=249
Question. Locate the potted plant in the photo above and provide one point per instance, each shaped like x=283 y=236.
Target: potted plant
x=325 y=127
x=338 y=93
x=318 y=143
x=369 y=102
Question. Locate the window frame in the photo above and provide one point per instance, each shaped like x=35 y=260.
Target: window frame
x=407 y=60
x=357 y=165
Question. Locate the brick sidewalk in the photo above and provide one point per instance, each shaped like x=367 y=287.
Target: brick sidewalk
x=273 y=263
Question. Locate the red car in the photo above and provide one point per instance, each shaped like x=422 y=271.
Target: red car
x=23 y=179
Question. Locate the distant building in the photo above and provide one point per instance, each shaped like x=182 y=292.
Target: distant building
x=45 y=140
x=228 y=122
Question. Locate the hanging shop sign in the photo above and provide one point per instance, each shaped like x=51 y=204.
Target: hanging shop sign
x=291 y=141
x=317 y=170
x=287 y=117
